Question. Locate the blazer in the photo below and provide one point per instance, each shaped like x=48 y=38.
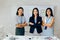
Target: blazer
x=37 y=24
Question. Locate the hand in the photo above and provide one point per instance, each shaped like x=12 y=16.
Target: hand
x=19 y=26
x=45 y=24
x=31 y=23
x=48 y=25
x=38 y=22
x=23 y=25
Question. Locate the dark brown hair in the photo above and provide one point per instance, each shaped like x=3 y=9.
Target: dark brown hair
x=22 y=10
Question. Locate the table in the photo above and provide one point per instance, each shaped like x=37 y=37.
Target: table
x=31 y=38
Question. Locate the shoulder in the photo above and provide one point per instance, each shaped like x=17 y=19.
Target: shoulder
x=40 y=17
x=53 y=18
x=16 y=16
x=31 y=17
x=44 y=18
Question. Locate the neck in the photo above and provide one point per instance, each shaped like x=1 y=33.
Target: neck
x=35 y=17
x=49 y=16
x=19 y=15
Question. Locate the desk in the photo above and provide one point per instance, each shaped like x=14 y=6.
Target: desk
x=31 y=38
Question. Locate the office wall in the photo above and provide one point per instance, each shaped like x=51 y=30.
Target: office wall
x=7 y=5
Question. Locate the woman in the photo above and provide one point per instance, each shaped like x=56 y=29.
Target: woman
x=21 y=22
x=35 y=21
x=48 y=23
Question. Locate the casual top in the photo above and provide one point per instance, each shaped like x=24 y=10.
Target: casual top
x=20 y=19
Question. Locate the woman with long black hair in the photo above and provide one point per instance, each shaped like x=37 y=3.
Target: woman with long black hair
x=35 y=21
x=48 y=22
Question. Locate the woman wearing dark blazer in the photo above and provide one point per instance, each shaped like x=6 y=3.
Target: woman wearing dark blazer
x=35 y=21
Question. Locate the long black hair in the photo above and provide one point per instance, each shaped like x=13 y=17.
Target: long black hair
x=33 y=12
x=22 y=10
x=50 y=11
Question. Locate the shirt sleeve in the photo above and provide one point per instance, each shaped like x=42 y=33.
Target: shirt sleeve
x=24 y=19
x=16 y=20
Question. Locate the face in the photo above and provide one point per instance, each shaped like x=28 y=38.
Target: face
x=20 y=11
x=48 y=12
x=35 y=12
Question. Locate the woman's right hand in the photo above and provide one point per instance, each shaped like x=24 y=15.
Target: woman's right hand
x=31 y=23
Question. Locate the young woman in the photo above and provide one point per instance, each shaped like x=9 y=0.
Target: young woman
x=21 y=22
x=35 y=21
x=48 y=22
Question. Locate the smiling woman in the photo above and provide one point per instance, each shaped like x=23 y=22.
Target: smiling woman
x=21 y=22
x=48 y=23
x=35 y=21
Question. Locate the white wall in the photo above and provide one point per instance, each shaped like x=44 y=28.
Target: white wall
x=7 y=5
